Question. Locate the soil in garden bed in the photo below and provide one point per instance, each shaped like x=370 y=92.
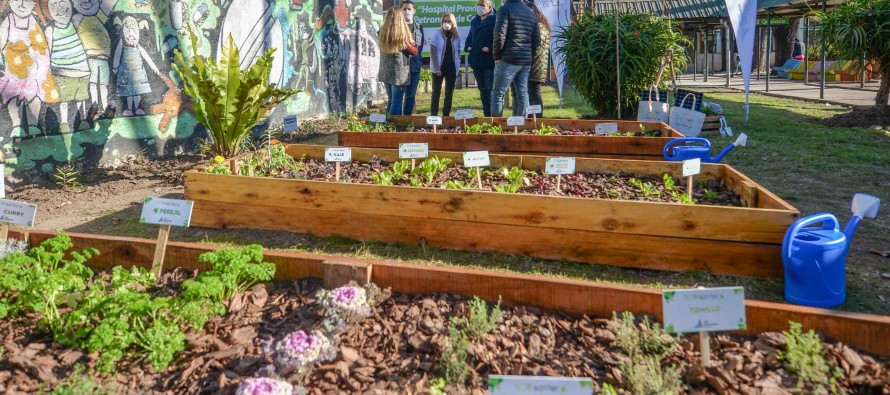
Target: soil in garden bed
x=583 y=184
x=528 y=129
x=398 y=349
x=861 y=117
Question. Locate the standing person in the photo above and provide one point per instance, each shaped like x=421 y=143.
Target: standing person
x=538 y=74
x=416 y=60
x=444 y=62
x=396 y=47
x=479 y=43
x=797 y=52
x=516 y=34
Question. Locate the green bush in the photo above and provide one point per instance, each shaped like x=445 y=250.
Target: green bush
x=589 y=50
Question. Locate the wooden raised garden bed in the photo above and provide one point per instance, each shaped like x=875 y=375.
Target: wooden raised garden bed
x=867 y=332
x=618 y=147
x=641 y=234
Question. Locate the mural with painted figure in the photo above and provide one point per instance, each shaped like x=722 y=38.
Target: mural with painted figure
x=91 y=79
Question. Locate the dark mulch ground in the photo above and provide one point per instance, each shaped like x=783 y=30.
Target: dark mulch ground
x=861 y=117
x=396 y=351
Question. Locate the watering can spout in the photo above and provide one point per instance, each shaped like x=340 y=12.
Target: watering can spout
x=739 y=142
x=863 y=206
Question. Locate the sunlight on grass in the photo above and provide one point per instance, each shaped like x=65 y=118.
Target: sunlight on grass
x=573 y=106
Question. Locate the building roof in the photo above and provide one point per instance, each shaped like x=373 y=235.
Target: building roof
x=700 y=10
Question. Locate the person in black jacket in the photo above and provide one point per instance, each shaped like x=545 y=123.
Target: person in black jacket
x=479 y=44
x=516 y=35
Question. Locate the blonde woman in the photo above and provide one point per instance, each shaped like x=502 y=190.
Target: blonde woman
x=444 y=62
x=396 y=46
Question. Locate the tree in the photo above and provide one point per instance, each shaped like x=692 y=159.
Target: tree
x=784 y=41
x=861 y=28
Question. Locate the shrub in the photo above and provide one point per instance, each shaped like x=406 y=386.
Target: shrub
x=803 y=357
x=589 y=50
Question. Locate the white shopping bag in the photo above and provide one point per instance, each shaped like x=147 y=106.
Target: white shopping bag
x=686 y=121
x=653 y=110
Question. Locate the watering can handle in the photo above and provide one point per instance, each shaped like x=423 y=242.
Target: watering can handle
x=667 y=147
x=828 y=222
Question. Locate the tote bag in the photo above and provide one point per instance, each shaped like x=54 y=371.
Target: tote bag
x=653 y=110
x=686 y=121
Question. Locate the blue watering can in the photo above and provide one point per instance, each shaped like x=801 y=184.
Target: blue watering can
x=815 y=257
x=703 y=152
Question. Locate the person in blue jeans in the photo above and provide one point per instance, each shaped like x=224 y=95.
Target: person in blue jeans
x=416 y=61
x=479 y=43
x=516 y=34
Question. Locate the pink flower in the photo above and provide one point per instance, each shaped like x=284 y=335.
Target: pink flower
x=345 y=294
x=264 y=386
x=300 y=351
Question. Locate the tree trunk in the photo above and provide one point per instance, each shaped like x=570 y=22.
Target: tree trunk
x=758 y=50
x=784 y=41
x=884 y=91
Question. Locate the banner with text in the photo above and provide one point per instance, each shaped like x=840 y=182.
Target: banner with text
x=429 y=14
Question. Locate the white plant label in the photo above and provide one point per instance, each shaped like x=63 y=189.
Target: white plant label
x=338 y=154
x=606 y=128
x=163 y=211
x=2 y=181
x=476 y=159
x=414 y=150
x=560 y=166
x=536 y=385
x=533 y=109
x=705 y=309
x=290 y=123
x=17 y=213
x=466 y=113
x=377 y=118
x=691 y=167
x=516 y=121
x=431 y=120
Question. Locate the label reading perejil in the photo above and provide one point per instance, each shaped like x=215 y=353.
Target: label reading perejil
x=606 y=128
x=431 y=120
x=516 y=121
x=162 y=211
x=533 y=109
x=476 y=159
x=17 y=213
x=466 y=113
x=560 y=166
x=377 y=118
x=414 y=150
x=338 y=154
x=691 y=167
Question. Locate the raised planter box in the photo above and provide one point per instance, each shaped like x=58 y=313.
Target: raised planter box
x=661 y=236
x=581 y=146
x=867 y=332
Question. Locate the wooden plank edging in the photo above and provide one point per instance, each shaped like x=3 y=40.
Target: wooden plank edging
x=867 y=332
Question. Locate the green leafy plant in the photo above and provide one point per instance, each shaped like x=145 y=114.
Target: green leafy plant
x=589 y=47
x=546 y=130
x=218 y=166
x=803 y=356
x=669 y=183
x=645 y=187
x=383 y=178
x=80 y=382
x=455 y=356
x=430 y=167
x=450 y=184
x=227 y=99
x=646 y=346
x=234 y=271
x=437 y=386
x=67 y=176
x=484 y=128
x=516 y=178
x=482 y=322
x=711 y=195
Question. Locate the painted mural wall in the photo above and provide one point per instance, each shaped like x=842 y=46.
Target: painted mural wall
x=91 y=79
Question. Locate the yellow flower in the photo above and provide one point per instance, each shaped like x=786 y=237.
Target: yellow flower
x=218 y=159
x=354 y=118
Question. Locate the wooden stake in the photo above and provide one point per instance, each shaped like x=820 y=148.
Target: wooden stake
x=434 y=128
x=705 y=348
x=465 y=124
x=157 y=265
x=337 y=171
x=4 y=231
x=535 y=119
x=479 y=176
x=558 y=181
x=516 y=130
x=689 y=185
x=413 y=163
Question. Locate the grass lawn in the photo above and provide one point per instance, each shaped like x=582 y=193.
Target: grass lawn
x=573 y=106
x=813 y=167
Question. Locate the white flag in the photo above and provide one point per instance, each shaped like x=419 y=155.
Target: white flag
x=743 y=15
x=558 y=13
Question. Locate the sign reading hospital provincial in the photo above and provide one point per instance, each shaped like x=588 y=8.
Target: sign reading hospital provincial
x=17 y=213
x=534 y=385
x=704 y=309
x=163 y=211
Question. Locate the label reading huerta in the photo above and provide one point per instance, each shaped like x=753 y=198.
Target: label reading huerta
x=707 y=309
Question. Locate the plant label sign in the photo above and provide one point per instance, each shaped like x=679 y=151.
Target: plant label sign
x=516 y=121
x=431 y=120
x=691 y=167
x=290 y=124
x=413 y=150
x=560 y=166
x=163 y=211
x=377 y=118
x=17 y=213
x=476 y=159
x=535 y=385
x=535 y=109
x=338 y=154
x=606 y=128
x=704 y=309
x=466 y=113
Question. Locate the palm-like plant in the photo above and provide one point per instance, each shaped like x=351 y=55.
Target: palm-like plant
x=862 y=28
x=227 y=100
x=589 y=51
